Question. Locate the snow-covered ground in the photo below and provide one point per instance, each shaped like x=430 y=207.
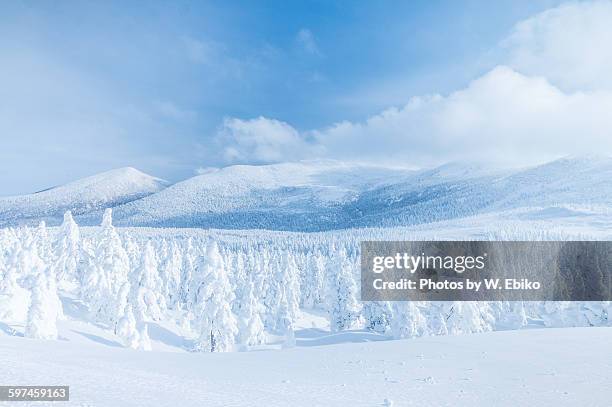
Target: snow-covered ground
x=550 y=367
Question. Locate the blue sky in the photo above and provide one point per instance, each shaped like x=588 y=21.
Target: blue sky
x=170 y=87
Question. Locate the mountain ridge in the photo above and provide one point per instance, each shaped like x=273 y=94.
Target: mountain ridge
x=326 y=195
x=83 y=196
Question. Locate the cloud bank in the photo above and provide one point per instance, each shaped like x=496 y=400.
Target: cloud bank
x=569 y=45
x=550 y=95
x=262 y=140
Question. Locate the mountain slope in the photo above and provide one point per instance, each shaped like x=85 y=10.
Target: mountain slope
x=325 y=195
x=289 y=196
x=84 y=196
x=554 y=187
x=314 y=196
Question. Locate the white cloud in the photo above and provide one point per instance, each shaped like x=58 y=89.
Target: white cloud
x=553 y=97
x=307 y=41
x=569 y=44
x=261 y=140
x=502 y=116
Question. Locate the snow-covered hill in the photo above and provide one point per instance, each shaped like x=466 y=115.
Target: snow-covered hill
x=315 y=196
x=84 y=196
x=326 y=195
x=291 y=196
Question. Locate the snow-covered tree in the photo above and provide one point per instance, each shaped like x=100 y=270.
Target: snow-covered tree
x=557 y=314
x=467 y=317
x=107 y=268
x=377 y=315
x=188 y=269
x=43 y=244
x=596 y=313
x=44 y=302
x=289 y=282
x=238 y=276
x=146 y=288
x=342 y=291
x=407 y=321
x=272 y=291
x=212 y=298
x=171 y=272
x=67 y=250
x=436 y=318
x=144 y=342
x=286 y=323
x=509 y=314
x=14 y=298
x=250 y=326
x=312 y=280
x=126 y=329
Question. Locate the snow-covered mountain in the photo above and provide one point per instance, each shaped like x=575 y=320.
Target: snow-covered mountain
x=314 y=196
x=291 y=196
x=85 y=196
x=325 y=195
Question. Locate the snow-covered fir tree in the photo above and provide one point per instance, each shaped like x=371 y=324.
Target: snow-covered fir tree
x=250 y=326
x=467 y=317
x=107 y=270
x=44 y=245
x=212 y=297
x=188 y=269
x=14 y=298
x=407 y=321
x=126 y=328
x=377 y=316
x=343 y=307
x=144 y=341
x=171 y=272
x=146 y=288
x=313 y=280
x=509 y=314
x=67 y=250
x=44 y=302
x=557 y=314
x=289 y=282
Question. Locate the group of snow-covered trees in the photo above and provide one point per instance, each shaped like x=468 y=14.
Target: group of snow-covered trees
x=228 y=291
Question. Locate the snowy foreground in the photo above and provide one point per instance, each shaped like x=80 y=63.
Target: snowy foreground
x=541 y=367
